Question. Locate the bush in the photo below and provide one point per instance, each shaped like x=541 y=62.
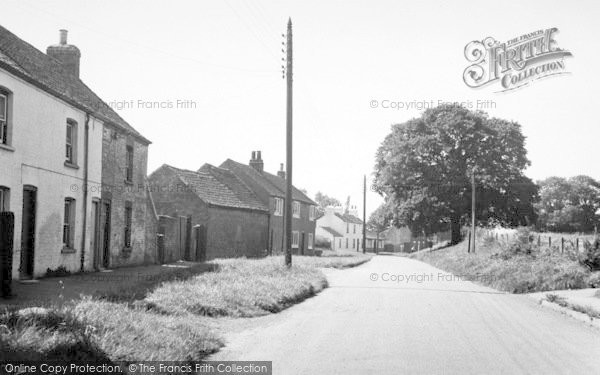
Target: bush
x=591 y=256
x=322 y=242
x=61 y=271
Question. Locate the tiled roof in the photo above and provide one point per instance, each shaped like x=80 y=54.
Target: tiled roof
x=274 y=185
x=349 y=218
x=332 y=231
x=25 y=61
x=219 y=187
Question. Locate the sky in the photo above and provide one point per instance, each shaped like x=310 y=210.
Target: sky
x=202 y=79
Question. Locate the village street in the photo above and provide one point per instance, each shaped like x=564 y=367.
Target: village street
x=427 y=323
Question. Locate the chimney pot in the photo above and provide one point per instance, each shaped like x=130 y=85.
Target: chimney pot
x=63 y=36
x=256 y=161
x=281 y=172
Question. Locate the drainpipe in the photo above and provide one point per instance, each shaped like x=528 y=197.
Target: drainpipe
x=85 y=186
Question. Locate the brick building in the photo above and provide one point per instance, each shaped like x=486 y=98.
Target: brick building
x=270 y=190
x=208 y=214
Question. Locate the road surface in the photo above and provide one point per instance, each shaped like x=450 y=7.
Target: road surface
x=416 y=319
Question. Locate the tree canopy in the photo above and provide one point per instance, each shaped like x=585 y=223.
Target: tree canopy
x=424 y=168
x=569 y=205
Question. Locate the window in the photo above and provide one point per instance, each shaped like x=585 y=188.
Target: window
x=69 y=223
x=4 y=196
x=347 y=228
x=353 y=243
x=311 y=213
x=278 y=207
x=129 y=166
x=295 y=239
x=128 y=217
x=346 y=243
x=71 y=143
x=340 y=243
x=296 y=209
x=3 y=117
x=354 y=228
x=311 y=240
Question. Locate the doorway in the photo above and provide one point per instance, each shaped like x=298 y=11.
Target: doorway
x=96 y=234
x=106 y=239
x=28 y=231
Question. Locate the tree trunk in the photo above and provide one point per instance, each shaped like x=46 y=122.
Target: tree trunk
x=455 y=229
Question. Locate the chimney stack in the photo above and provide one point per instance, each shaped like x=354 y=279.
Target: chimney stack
x=281 y=172
x=68 y=55
x=256 y=161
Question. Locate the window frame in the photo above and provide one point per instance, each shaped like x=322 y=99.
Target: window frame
x=312 y=213
x=129 y=163
x=295 y=239
x=4 y=198
x=278 y=207
x=311 y=241
x=4 y=122
x=127 y=224
x=296 y=209
x=68 y=236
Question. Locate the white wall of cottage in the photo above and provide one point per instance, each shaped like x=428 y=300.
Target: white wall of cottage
x=38 y=141
x=332 y=221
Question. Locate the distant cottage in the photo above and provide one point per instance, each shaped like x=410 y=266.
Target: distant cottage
x=71 y=169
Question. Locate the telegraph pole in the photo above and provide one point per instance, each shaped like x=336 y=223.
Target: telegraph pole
x=364 y=240
x=288 y=173
x=473 y=209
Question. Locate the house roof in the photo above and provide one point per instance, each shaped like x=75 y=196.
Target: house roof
x=28 y=63
x=219 y=187
x=274 y=185
x=349 y=218
x=332 y=231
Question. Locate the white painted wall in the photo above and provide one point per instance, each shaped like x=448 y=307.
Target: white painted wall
x=340 y=226
x=38 y=139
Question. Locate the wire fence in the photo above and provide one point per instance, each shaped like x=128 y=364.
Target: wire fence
x=562 y=242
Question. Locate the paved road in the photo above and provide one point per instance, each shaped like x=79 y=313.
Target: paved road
x=446 y=326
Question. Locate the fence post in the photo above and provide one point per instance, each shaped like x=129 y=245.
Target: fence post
x=562 y=245
x=549 y=241
x=539 y=240
x=577 y=244
x=469 y=247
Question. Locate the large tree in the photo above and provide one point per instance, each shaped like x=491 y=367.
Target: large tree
x=424 y=168
x=569 y=205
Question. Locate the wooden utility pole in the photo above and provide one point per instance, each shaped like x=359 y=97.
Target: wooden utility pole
x=288 y=173
x=364 y=240
x=473 y=208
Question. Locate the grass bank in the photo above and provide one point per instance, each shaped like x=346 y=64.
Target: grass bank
x=508 y=267
x=174 y=318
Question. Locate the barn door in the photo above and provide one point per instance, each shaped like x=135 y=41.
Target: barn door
x=200 y=234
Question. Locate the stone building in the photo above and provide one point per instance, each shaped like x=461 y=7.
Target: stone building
x=59 y=144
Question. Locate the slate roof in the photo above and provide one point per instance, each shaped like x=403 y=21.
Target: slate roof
x=349 y=218
x=274 y=185
x=332 y=231
x=28 y=63
x=219 y=187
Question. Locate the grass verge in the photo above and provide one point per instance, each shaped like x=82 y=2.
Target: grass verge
x=500 y=266
x=561 y=301
x=165 y=317
x=248 y=287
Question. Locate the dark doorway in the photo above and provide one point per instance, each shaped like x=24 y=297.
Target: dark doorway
x=188 y=239
x=200 y=243
x=96 y=234
x=302 y=241
x=106 y=239
x=28 y=231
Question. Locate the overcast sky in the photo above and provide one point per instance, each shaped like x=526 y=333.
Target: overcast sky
x=225 y=57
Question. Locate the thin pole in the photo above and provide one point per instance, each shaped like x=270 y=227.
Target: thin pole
x=288 y=173
x=364 y=241
x=473 y=207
